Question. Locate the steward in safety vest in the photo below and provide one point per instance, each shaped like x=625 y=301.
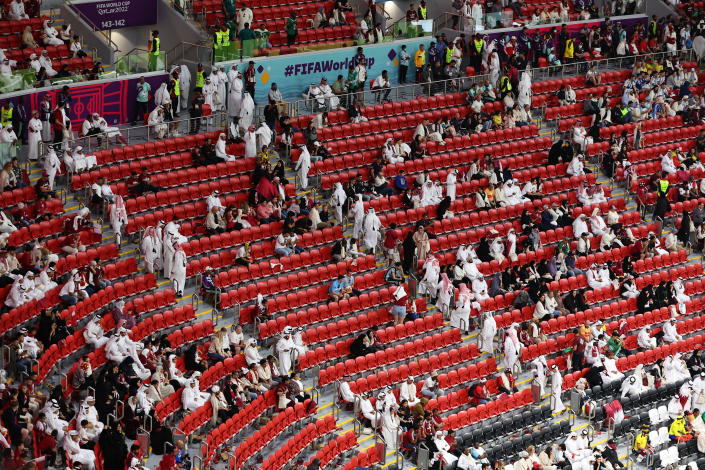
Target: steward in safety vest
x=200 y=77
x=6 y=114
x=663 y=185
x=423 y=11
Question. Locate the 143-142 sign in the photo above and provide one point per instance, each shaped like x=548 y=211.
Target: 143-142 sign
x=112 y=24
x=114 y=14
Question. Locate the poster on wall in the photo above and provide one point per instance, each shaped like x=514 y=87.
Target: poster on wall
x=114 y=99
x=116 y=14
x=294 y=73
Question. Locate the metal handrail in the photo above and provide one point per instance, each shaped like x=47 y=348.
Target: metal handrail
x=89 y=23
x=138 y=134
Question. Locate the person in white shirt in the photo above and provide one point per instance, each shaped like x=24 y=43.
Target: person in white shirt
x=76 y=453
x=46 y=62
x=221 y=150
x=581 y=138
x=16 y=11
x=670 y=333
x=110 y=131
x=381 y=85
x=34 y=127
x=156 y=122
x=407 y=391
x=644 y=339
x=667 y=163
x=192 y=398
x=429 y=388
x=303 y=166
x=93 y=333
x=575 y=167
x=466 y=462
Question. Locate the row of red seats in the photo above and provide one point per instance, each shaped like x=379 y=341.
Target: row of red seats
x=450 y=159
x=552 y=86
x=364 y=321
x=156 y=148
x=189 y=334
x=323 y=312
x=653 y=167
x=335 y=448
x=180 y=212
x=476 y=218
x=234 y=238
x=394 y=108
x=232 y=191
x=666 y=138
x=296 y=280
x=119 y=290
x=341 y=348
x=37 y=230
x=314 y=295
x=18 y=26
x=415 y=368
x=162 y=321
x=302 y=439
x=26 y=195
x=266 y=434
x=26 y=312
x=151 y=302
x=265 y=268
x=577 y=282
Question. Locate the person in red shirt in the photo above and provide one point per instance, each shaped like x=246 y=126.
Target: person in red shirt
x=59 y=123
x=392 y=239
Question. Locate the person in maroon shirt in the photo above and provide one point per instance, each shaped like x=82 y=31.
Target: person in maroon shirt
x=392 y=239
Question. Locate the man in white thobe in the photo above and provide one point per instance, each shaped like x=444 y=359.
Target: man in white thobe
x=178 y=271
x=93 y=333
x=451 y=180
x=250 y=139
x=234 y=93
x=371 y=230
x=557 y=405
x=303 y=165
x=76 y=454
x=151 y=250
x=34 y=136
x=285 y=350
x=221 y=149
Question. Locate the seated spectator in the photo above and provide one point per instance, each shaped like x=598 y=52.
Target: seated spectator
x=336 y=291
x=214 y=221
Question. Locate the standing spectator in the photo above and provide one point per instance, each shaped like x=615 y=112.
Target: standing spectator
x=141 y=100
x=250 y=79
x=59 y=123
x=404 y=58
x=420 y=62
x=291 y=31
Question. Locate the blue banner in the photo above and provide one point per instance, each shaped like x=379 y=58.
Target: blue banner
x=294 y=73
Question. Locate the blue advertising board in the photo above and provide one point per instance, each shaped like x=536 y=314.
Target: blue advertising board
x=294 y=73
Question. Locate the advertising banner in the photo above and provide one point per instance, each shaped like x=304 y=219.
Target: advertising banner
x=294 y=73
x=116 y=14
x=112 y=99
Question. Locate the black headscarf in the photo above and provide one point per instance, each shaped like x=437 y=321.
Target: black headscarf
x=683 y=234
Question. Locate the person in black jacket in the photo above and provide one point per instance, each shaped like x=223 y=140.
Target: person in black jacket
x=561 y=151
x=113 y=447
x=610 y=453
